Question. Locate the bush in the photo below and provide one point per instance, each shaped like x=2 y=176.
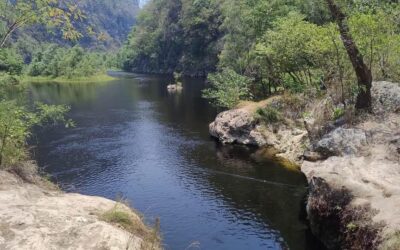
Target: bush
x=10 y=61
x=54 y=61
x=338 y=113
x=228 y=88
x=268 y=115
x=16 y=121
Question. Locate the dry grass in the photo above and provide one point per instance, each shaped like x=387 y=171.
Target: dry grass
x=124 y=217
x=392 y=242
x=28 y=171
x=253 y=106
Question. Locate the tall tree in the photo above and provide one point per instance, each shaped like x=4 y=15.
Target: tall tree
x=363 y=73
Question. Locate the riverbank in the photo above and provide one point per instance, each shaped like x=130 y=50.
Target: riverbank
x=35 y=214
x=103 y=77
x=352 y=162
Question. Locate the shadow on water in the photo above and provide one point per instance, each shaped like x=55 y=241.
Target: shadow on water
x=136 y=139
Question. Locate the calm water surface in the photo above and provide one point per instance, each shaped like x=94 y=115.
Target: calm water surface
x=134 y=139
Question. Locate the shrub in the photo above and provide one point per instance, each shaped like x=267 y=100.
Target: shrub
x=228 y=88
x=338 y=113
x=16 y=122
x=10 y=61
x=268 y=115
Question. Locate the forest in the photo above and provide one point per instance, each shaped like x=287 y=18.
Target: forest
x=256 y=48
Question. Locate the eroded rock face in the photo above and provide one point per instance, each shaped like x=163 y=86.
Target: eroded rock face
x=342 y=142
x=34 y=218
x=237 y=126
x=337 y=222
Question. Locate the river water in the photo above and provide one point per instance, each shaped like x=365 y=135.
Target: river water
x=135 y=140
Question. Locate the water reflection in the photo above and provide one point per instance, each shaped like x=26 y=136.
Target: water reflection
x=136 y=139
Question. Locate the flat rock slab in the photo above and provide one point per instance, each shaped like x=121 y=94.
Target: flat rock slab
x=34 y=218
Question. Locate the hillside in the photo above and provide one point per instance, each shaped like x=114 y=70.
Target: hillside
x=111 y=22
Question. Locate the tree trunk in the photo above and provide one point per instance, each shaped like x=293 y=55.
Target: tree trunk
x=10 y=30
x=364 y=76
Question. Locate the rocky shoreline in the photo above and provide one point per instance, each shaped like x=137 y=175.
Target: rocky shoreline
x=353 y=167
x=34 y=214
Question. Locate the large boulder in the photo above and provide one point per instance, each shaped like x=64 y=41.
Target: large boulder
x=342 y=141
x=237 y=126
x=385 y=97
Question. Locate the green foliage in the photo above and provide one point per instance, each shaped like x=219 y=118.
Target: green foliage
x=16 y=122
x=338 y=113
x=18 y=14
x=228 y=88
x=99 y=24
x=280 y=44
x=9 y=86
x=174 y=35
x=268 y=115
x=55 y=61
x=378 y=38
x=10 y=61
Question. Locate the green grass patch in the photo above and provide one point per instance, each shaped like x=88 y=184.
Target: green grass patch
x=46 y=79
x=338 y=113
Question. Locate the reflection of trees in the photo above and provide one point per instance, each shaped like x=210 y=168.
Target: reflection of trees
x=64 y=93
x=186 y=110
x=114 y=94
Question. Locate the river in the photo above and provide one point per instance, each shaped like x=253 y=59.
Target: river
x=135 y=140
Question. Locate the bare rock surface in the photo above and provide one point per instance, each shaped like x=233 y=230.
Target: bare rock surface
x=342 y=141
x=237 y=126
x=367 y=164
x=386 y=97
x=36 y=218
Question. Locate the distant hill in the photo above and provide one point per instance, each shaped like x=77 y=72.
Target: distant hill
x=111 y=21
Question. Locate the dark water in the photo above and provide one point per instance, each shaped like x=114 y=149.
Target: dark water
x=134 y=139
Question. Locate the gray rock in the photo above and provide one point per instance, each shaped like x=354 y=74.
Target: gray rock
x=385 y=97
x=395 y=143
x=237 y=126
x=342 y=142
x=40 y=218
x=313 y=156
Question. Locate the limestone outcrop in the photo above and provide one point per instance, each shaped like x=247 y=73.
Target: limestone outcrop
x=237 y=126
x=34 y=217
